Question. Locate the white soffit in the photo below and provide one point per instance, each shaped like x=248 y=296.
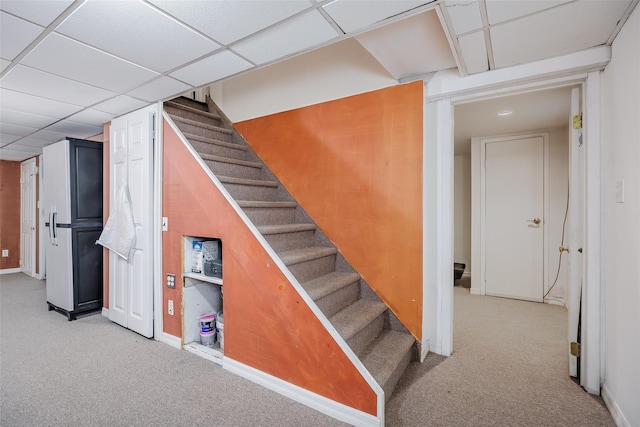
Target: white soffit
x=86 y=64
x=564 y=29
x=353 y=15
x=39 y=83
x=229 y=21
x=162 y=88
x=409 y=47
x=35 y=105
x=40 y=12
x=464 y=15
x=474 y=52
x=22 y=34
x=215 y=67
x=302 y=32
x=161 y=43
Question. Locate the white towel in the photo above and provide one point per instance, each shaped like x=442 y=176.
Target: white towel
x=119 y=234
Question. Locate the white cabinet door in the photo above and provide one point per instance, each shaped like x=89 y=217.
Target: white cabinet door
x=131 y=281
x=514 y=218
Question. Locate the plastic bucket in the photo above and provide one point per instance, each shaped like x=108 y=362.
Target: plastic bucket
x=208 y=338
x=220 y=327
x=207 y=322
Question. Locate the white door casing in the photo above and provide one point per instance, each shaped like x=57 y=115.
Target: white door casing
x=131 y=282
x=28 y=176
x=513 y=213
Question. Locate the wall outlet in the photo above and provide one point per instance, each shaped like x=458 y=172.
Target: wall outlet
x=170 y=307
x=5 y=253
x=165 y=223
x=171 y=281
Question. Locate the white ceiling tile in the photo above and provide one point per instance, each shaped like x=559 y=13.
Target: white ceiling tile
x=75 y=129
x=50 y=135
x=567 y=28
x=409 y=47
x=215 y=67
x=35 y=105
x=503 y=10
x=6 y=138
x=24 y=119
x=15 y=35
x=474 y=52
x=159 y=89
x=17 y=130
x=90 y=65
x=120 y=105
x=352 y=15
x=137 y=32
x=4 y=64
x=38 y=11
x=36 y=82
x=302 y=32
x=464 y=14
x=17 y=153
x=91 y=117
x=229 y=21
x=33 y=142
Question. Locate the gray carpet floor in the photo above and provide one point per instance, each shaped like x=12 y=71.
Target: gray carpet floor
x=508 y=369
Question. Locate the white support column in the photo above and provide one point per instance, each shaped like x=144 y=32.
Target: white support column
x=437 y=318
x=591 y=301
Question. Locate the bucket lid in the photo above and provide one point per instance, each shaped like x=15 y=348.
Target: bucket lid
x=208 y=316
x=206 y=334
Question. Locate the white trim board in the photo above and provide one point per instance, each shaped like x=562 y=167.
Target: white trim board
x=320 y=403
x=614 y=409
x=172 y=340
x=10 y=270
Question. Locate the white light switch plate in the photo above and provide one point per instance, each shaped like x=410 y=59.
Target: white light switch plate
x=165 y=223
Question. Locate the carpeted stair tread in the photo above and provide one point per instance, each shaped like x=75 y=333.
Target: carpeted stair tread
x=191 y=136
x=244 y=181
x=357 y=316
x=202 y=125
x=322 y=286
x=265 y=204
x=284 y=228
x=297 y=256
x=385 y=356
x=220 y=159
x=189 y=109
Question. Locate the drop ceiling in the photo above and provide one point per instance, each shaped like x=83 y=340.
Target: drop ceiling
x=67 y=67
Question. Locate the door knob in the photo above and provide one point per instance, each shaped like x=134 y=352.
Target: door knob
x=536 y=221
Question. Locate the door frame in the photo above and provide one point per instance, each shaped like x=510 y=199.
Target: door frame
x=33 y=214
x=443 y=90
x=478 y=191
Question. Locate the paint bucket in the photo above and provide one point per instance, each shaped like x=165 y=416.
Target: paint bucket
x=208 y=339
x=220 y=327
x=207 y=322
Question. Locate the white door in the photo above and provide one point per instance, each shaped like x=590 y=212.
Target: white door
x=28 y=173
x=514 y=221
x=576 y=212
x=131 y=282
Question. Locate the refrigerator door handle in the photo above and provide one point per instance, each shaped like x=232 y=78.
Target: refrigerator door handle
x=54 y=227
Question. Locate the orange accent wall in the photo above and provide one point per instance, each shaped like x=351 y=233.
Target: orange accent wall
x=10 y=213
x=105 y=211
x=267 y=325
x=355 y=165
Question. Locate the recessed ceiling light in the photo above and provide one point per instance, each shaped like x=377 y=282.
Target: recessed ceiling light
x=505 y=113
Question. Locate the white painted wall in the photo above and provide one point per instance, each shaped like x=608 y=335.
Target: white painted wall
x=332 y=72
x=621 y=270
x=462 y=211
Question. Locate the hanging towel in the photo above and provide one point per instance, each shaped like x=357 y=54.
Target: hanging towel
x=119 y=234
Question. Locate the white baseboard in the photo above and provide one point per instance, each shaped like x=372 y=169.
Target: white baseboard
x=320 y=403
x=105 y=312
x=9 y=270
x=475 y=291
x=555 y=301
x=614 y=409
x=172 y=340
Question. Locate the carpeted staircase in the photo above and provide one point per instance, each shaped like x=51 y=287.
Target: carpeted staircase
x=360 y=317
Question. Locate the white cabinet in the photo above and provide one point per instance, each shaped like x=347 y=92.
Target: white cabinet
x=202 y=294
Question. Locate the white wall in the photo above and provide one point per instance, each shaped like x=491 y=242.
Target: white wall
x=462 y=211
x=332 y=72
x=621 y=281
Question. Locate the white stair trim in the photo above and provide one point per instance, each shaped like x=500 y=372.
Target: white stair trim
x=320 y=403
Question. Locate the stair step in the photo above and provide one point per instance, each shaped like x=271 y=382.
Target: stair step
x=285 y=228
x=255 y=189
x=360 y=323
x=267 y=212
x=387 y=357
x=190 y=102
x=308 y=263
x=231 y=167
x=192 y=110
x=216 y=147
x=202 y=125
x=334 y=291
x=201 y=128
x=286 y=237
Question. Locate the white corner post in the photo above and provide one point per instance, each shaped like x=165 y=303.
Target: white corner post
x=437 y=226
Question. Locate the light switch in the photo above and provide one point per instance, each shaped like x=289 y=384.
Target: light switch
x=165 y=223
x=620 y=191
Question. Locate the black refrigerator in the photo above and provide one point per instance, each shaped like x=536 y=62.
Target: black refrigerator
x=72 y=200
